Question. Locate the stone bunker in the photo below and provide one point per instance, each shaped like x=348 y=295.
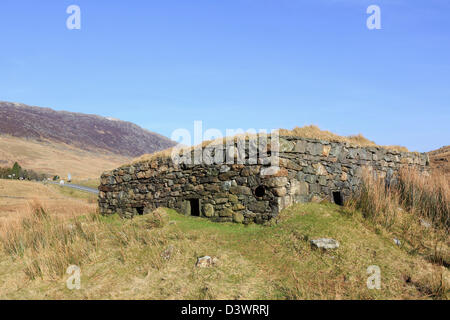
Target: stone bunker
x=308 y=170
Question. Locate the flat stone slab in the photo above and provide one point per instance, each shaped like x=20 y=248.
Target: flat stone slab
x=325 y=243
x=205 y=262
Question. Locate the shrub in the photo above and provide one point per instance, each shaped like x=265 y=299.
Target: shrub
x=17 y=172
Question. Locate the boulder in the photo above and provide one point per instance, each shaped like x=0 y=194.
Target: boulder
x=206 y=262
x=208 y=210
x=325 y=244
x=238 y=217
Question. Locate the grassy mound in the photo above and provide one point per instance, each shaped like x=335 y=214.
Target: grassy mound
x=134 y=259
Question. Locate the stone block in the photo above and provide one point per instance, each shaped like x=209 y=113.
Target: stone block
x=208 y=210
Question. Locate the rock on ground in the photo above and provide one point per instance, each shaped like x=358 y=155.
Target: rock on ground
x=325 y=243
x=206 y=261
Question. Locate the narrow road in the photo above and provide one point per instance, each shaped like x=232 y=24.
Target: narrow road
x=75 y=186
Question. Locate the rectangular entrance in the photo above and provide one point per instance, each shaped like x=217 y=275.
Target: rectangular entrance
x=337 y=198
x=195 y=207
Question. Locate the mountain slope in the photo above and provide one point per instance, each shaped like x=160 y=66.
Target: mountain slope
x=57 y=158
x=87 y=132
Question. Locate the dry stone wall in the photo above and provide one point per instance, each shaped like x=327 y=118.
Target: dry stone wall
x=308 y=170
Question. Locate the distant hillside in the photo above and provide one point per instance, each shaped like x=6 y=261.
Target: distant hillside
x=440 y=159
x=84 y=131
x=56 y=158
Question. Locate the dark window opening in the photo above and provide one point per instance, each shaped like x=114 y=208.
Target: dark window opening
x=140 y=210
x=260 y=191
x=195 y=207
x=337 y=198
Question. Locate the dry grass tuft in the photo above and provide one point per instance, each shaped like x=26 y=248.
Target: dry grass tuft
x=47 y=243
x=414 y=209
x=375 y=202
x=423 y=195
x=314 y=132
x=156 y=219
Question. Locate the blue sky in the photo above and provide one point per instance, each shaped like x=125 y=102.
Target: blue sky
x=237 y=64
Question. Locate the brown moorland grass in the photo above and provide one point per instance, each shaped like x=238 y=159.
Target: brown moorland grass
x=16 y=196
x=56 y=158
x=311 y=132
x=424 y=195
x=46 y=243
x=122 y=259
x=141 y=259
x=414 y=208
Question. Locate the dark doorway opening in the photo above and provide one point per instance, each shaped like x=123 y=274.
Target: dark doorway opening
x=260 y=191
x=337 y=198
x=140 y=210
x=195 y=207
